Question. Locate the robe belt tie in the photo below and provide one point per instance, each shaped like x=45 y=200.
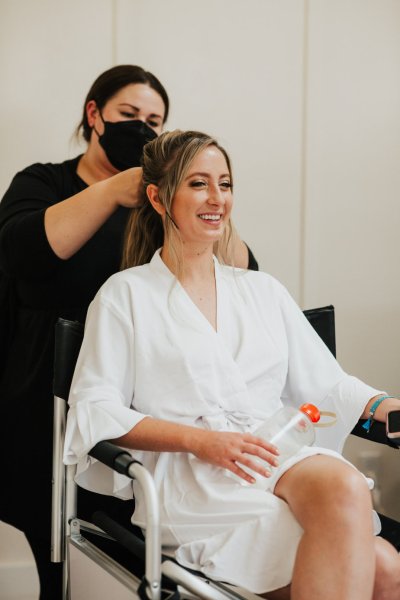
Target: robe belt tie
x=224 y=420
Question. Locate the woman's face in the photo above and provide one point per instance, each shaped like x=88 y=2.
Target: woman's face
x=136 y=101
x=203 y=202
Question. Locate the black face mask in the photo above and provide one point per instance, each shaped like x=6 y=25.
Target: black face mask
x=123 y=142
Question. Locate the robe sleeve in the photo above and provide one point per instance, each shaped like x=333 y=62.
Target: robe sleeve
x=315 y=376
x=102 y=391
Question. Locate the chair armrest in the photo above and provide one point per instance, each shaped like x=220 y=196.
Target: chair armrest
x=114 y=457
x=120 y=460
x=377 y=433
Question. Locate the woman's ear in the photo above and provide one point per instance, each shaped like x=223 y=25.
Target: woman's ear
x=91 y=112
x=152 y=194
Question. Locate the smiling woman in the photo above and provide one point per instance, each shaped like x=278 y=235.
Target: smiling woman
x=194 y=202
x=205 y=194
x=202 y=203
x=182 y=359
x=200 y=216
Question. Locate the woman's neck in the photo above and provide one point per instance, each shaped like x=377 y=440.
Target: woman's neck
x=197 y=263
x=197 y=277
x=92 y=169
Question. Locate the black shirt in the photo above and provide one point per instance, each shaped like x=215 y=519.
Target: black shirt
x=46 y=288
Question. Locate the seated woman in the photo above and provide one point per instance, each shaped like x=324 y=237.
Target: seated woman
x=182 y=360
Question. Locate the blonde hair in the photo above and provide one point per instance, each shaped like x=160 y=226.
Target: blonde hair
x=166 y=160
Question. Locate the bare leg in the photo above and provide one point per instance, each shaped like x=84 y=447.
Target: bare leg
x=387 y=579
x=336 y=555
x=281 y=594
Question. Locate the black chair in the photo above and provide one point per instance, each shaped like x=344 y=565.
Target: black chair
x=66 y=527
x=323 y=321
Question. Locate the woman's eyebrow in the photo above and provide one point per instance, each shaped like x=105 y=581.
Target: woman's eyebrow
x=137 y=109
x=203 y=174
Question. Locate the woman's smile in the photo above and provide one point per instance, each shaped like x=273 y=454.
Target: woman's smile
x=204 y=195
x=211 y=218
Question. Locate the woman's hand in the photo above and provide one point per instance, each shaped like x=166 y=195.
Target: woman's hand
x=71 y=223
x=384 y=407
x=220 y=448
x=126 y=187
x=231 y=450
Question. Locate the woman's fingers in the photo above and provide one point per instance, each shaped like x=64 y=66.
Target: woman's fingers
x=233 y=451
x=237 y=470
x=128 y=187
x=261 y=444
x=259 y=465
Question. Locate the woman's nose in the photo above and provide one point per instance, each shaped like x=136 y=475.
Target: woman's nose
x=215 y=196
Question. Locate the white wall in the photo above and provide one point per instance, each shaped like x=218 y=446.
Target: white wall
x=305 y=96
x=234 y=69
x=352 y=185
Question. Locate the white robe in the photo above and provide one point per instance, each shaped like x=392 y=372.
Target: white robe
x=148 y=350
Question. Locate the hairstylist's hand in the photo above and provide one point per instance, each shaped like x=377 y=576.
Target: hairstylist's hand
x=231 y=450
x=71 y=223
x=128 y=187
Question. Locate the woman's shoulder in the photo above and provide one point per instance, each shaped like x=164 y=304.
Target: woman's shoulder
x=38 y=186
x=50 y=169
x=37 y=179
x=256 y=280
x=126 y=282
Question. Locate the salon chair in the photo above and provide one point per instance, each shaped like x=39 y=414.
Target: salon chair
x=112 y=554
x=107 y=558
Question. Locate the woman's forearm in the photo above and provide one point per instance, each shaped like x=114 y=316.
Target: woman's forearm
x=71 y=223
x=228 y=450
x=159 y=436
x=384 y=407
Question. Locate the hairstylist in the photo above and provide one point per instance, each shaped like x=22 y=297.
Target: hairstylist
x=61 y=228
x=61 y=231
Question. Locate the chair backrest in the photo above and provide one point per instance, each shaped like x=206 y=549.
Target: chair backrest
x=323 y=321
x=68 y=340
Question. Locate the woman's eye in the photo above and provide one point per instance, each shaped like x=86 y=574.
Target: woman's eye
x=226 y=185
x=128 y=115
x=197 y=184
x=153 y=124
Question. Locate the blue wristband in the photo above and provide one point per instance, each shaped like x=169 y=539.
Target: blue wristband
x=368 y=424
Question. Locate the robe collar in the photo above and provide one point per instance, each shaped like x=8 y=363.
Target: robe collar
x=159 y=265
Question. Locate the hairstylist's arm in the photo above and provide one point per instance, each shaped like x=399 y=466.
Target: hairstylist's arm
x=221 y=448
x=71 y=223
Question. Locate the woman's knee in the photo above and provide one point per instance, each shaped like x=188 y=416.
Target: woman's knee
x=387 y=571
x=326 y=484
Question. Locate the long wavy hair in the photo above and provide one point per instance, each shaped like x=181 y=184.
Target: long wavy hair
x=166 y=161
